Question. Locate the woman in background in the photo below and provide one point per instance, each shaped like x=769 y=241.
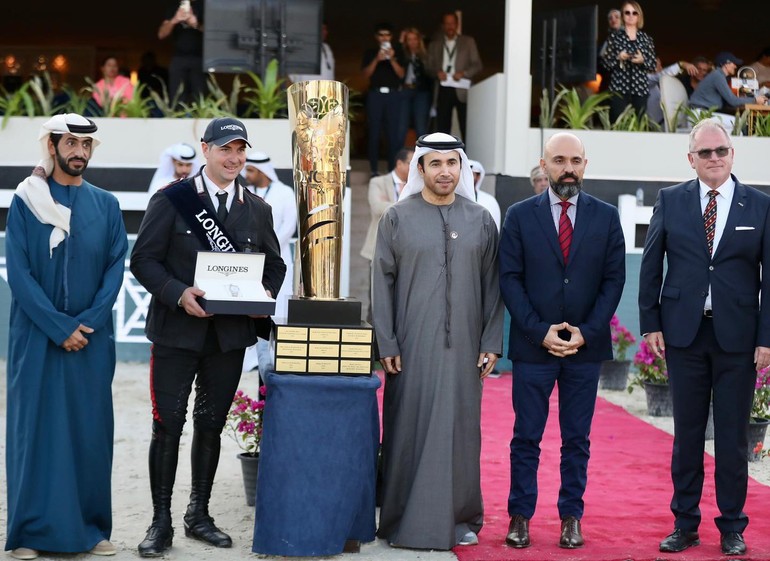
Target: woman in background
x=112 y=84
x=630 y=56
x=418 y=87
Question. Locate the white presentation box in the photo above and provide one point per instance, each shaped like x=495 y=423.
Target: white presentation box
x=232 y=283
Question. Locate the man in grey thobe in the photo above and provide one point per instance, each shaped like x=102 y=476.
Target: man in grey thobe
x=438 y=318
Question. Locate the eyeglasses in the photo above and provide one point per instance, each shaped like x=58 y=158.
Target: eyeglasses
x=705 y=154
x=631 y=13
x=384 y=33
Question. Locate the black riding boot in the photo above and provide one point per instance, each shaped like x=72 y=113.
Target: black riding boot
x=164 y=451
x=197 y=522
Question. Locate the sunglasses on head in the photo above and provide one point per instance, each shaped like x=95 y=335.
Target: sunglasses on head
x=705 y=154
x=631 y=13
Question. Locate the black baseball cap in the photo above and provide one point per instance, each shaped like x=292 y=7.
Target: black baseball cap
x=224 y=130
x=724 y=57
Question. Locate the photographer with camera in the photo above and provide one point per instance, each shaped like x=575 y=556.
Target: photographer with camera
x=384 y=66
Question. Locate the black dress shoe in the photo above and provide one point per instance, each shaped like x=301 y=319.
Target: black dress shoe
x=518 y=532
x=204 y=530
x=679 y=540
x=732 y=543
x=571 y=535
x=157 y=541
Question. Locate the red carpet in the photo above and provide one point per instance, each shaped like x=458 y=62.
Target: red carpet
x=629 y=489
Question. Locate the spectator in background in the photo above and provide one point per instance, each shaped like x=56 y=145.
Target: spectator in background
x=178 y=161
x=654 y=110
x=262 y=181
x=418 y=87
x=112 y=84
x=762 y=67
x=485 y=199
x=152 y=75
x=184 y=24
x=714 y=92
x=384 y=66
x=452 y=57
x=630 y=56
x=614 y=21
x=384 y=190
x=326 y=64
x=538 y=178
x=691 y=81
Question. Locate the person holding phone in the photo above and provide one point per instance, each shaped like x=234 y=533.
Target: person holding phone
x=184 y=24
x=384 y=66
x=630 y=57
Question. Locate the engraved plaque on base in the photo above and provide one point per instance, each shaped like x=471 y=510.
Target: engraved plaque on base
x=323 y=337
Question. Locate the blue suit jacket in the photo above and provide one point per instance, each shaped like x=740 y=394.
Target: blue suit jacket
x=674 y=305
x=540 y=291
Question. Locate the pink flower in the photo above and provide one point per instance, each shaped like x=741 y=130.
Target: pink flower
x=244 y=421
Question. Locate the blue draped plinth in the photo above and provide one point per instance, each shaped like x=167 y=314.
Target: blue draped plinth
x=317 y=466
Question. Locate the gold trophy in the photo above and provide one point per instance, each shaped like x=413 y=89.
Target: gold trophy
x=323 y=334
x=318 y=114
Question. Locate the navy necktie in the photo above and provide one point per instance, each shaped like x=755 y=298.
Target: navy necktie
x=222 y=208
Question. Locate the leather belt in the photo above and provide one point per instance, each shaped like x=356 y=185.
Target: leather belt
x=708 y=314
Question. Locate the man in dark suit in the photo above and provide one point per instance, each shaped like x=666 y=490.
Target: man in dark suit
x=562 y=271
x=452 y=56
x=706 y=315
x=188 y=343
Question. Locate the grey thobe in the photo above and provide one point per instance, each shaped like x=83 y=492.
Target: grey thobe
x=436 y=303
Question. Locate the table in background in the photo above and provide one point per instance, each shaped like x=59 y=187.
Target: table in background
x=318 y=464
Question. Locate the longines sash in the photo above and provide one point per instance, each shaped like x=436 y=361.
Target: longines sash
x=203 y=223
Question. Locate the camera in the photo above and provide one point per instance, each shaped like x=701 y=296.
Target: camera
x=185 y=5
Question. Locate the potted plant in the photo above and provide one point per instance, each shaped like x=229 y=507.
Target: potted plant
x=613 y=374
x=244 y=425
x=652 y=375
x=760 y=416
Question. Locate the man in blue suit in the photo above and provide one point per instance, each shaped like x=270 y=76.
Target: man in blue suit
x=562 y=270
x=706 y=315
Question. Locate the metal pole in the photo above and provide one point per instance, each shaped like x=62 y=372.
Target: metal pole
x=553 y=57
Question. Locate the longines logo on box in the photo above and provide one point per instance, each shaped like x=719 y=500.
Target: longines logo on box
x=322 y=105
x=227 y=270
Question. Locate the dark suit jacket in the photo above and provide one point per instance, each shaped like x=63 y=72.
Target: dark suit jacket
x=674 y=305
x=163 y=261
x=539 y=291
x=467 y=59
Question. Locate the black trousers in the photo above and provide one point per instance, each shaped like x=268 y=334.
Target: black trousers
x=215 y=374
x=619 y=102
x=383 y=111
x=694 y=373
x=446 y=101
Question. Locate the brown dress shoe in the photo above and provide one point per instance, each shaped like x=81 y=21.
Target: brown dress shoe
x=518 y=532
x=571 y=535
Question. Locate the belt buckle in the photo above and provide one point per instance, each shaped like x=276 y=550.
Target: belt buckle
x=708 y=313
x=384 y=90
